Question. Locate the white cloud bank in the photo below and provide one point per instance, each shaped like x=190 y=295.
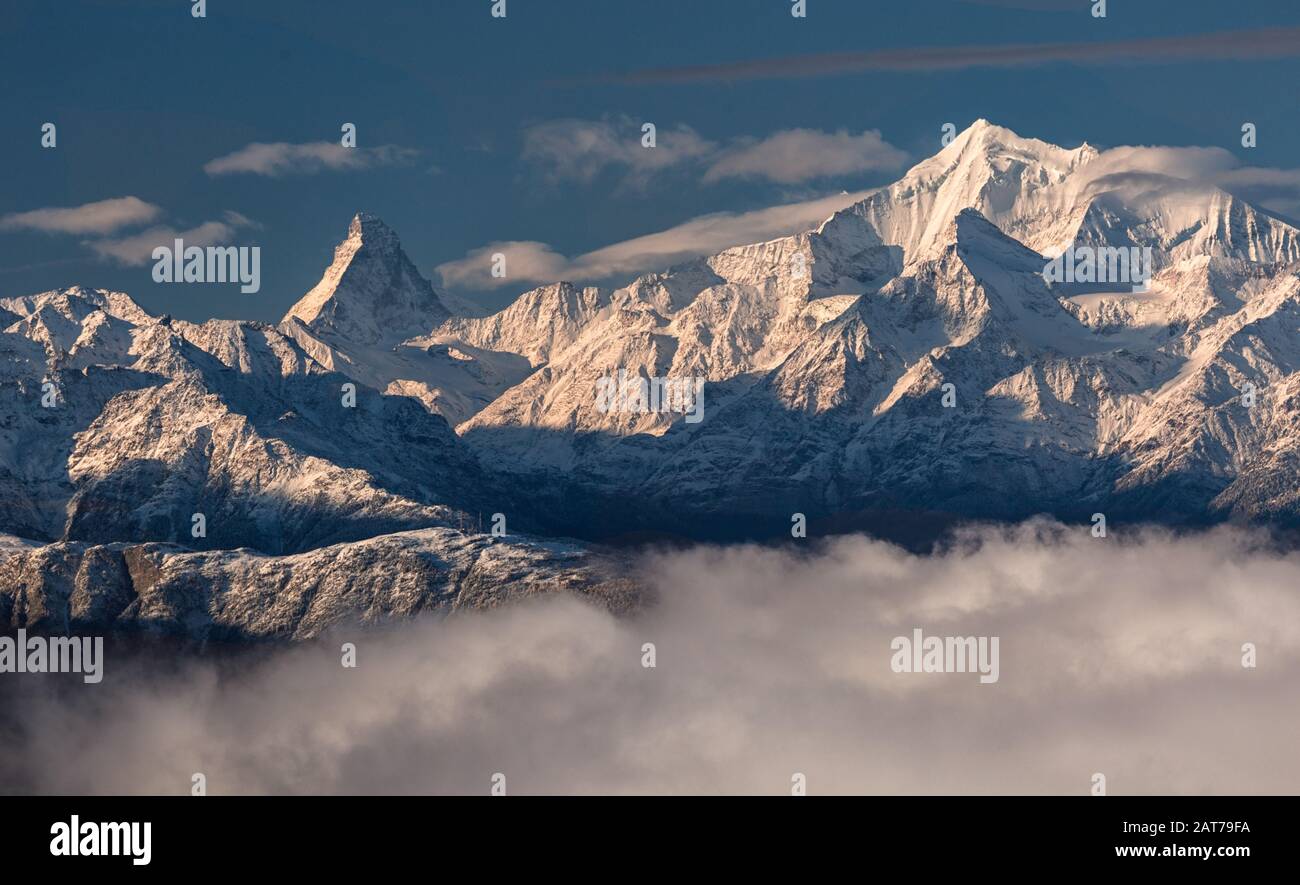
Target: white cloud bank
x=1119 y=656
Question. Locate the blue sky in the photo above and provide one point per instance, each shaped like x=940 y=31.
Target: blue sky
x=462 y=118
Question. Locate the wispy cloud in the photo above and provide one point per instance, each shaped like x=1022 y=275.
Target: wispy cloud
x=796 y=155
x=1272 y=188
x=281 y=158
x=137 y=249
x=580 y=150
x=110 y=216
x=103 y=217
x=535 y=262
x=1031 y=5
x=1275 y=189
x=1252 y=45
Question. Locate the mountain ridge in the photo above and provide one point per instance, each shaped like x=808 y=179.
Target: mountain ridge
x=906 y=355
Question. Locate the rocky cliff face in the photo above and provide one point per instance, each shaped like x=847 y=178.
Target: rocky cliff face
x=239 y=594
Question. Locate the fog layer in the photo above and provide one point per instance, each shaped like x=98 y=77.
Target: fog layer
x=1120 y=656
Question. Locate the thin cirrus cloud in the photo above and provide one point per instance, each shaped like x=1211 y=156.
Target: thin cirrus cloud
x=534 y=262
x=1259 y=43
x=282 y=158
x=137 y=249
x=1031 y=5
x=580 y=150
x=102 y=217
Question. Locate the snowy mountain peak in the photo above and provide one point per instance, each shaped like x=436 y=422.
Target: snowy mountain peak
x=990 y=140
x=1017 y=183
x=984 y=149
x=371 y=293
x=369 y=229
x=539 y=322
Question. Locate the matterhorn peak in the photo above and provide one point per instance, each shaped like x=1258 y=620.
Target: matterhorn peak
x=371 y=292
x=369 y=229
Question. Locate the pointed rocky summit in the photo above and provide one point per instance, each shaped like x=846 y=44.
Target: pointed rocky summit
x=372 y=292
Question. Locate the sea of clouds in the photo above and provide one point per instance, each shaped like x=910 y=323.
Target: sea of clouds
x=1120 y=656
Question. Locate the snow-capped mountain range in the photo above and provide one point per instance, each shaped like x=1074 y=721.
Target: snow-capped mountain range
x=907 y=358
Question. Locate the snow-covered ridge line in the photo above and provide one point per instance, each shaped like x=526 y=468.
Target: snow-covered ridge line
x=907 y=356
x=243 y=595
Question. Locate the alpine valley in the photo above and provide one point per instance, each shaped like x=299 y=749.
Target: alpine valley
x=904 y=366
